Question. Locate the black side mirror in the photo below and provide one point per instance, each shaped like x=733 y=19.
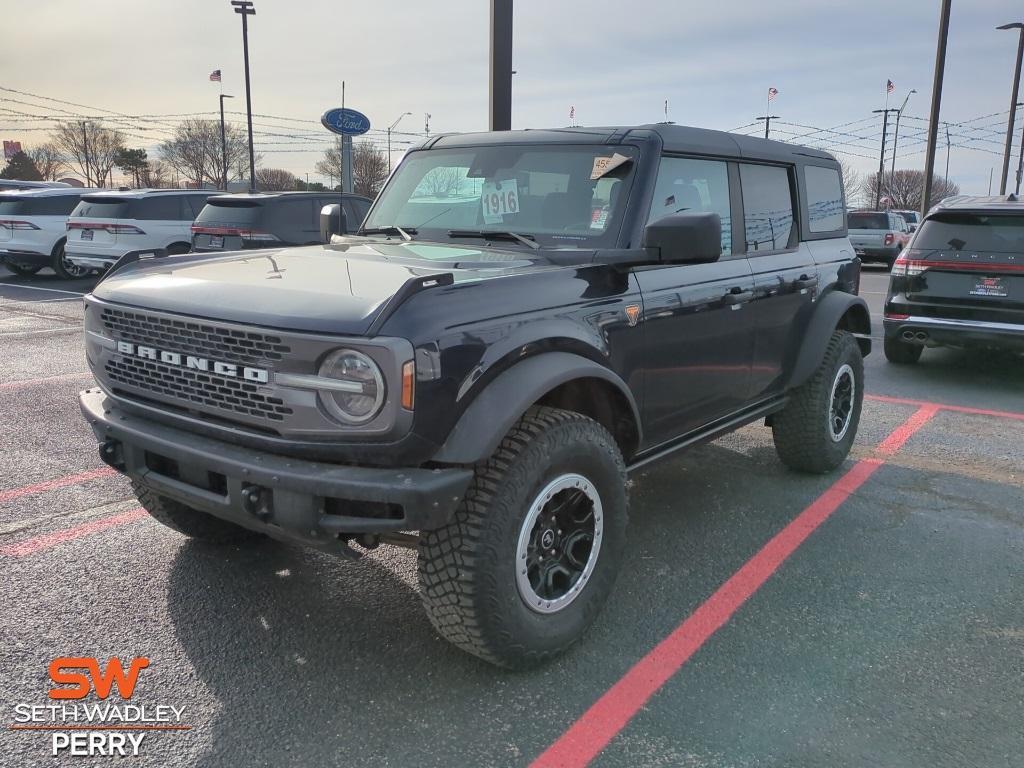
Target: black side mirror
x=685 y=238
x=332 y=221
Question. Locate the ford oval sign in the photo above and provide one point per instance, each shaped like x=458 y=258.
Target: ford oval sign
x=345 y=121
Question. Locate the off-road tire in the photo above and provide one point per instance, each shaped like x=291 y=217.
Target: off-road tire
x=901 y=352
x=467 y=569
x=23 y=270
x=188 y=521
x=61 y=270
x=801 y=431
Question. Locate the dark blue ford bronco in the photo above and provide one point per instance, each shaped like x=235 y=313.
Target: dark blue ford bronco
x=523 y=319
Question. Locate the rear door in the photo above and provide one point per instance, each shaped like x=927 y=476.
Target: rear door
x=969 y=264
x=219 y=225
x=785 y=275
x=698 y=331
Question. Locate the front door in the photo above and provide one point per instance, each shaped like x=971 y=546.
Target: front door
x=699 y=337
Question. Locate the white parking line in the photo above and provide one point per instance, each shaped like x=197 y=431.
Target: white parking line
x=26 y=334
x=37 y=288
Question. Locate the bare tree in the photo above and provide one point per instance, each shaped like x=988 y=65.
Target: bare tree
x=369 y=169
x=90 y=147
x=49 y=160
x=331 y=165
x=194 y=151
x=904 y=189
x=275 y=179
x=156 y=175
x=852 y=184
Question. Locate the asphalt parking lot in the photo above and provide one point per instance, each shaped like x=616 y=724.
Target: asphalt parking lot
x=763 y=618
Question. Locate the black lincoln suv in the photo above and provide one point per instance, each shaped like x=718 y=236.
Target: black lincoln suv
x=960 y=282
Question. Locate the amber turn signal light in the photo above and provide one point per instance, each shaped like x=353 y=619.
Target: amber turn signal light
x=408 y=384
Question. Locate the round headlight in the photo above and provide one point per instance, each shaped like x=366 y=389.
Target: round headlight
x=359 y=395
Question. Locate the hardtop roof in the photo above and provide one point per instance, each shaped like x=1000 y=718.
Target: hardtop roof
x=675 y=138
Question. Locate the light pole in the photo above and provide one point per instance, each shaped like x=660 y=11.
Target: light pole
x=391 y=128
x=224 y=141
x=1020 y=162
x=896 y=133
x=245 y=9
x=499 y=94
x=933 y=119
x=881 y=155
x=1013 y=105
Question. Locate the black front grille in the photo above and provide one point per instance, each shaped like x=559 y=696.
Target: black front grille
x=197 y=388
x=194 y=338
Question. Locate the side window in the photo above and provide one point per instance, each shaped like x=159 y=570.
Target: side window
x=191 y=205
x=767 y=207
x=157 y=208
x=693 y=185
x=296 y=214
x=58 y=205
x=824 y=199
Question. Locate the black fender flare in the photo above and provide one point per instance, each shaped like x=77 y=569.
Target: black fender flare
x=827 y=316
x=506 y=398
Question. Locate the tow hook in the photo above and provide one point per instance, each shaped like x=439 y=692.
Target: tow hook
x=112 y=454
x=258 y=501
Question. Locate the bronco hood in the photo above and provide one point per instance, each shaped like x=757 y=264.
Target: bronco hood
x=339 y=288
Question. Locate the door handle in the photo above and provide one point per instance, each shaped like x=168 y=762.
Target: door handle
x=737 y=297
x=805 y=282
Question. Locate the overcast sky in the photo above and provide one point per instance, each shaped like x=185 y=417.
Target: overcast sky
x=615 y=62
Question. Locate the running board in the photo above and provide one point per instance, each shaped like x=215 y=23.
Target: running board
x=707 y=434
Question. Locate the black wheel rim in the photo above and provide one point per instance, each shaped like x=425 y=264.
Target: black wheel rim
x=559 y=543
x=840 y=411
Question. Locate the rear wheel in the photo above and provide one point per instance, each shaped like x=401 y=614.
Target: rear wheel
x=188 y=521
x=901 y=352
x=22 y=270
x=178 y=249
x=531 y=555
x=64 y=268
x=816 y=429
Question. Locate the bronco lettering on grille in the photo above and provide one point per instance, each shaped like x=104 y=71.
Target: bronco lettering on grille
x=257 y=375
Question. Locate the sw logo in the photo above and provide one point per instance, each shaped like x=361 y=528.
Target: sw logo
x=100 y=681
x=632 y=314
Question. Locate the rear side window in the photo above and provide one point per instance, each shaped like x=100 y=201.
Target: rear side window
x=192 y=205
x=229 y=212
x=867 y=220
x=101 y=208
x=971 y=232
x=12 y=208
x=767 y=207
x=295 y=214
x=694 y=185
x=59 y=205
x=824 y=199
x=157 y=208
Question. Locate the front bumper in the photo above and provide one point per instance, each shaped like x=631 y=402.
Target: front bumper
x=314 y=503
x=940 y=331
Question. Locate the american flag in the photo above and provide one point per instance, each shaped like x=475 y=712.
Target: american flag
x=889 y=87
x=772 y=93
x=215 y=76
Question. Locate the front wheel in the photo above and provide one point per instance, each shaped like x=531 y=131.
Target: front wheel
x=816 y=429
x=531 y=555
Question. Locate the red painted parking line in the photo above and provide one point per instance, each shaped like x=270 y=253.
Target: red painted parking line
x=9 y=386
x=50 y=540
x=59 y=482
x=942 y=406
x=589 y=735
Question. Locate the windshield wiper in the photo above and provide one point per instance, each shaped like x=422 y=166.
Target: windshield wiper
x=487 y=234
x=394 y=229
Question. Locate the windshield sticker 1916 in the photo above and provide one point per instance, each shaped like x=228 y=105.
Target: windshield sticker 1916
x=499 y=198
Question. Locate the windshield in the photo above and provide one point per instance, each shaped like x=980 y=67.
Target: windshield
x=560 y=195
x=998 y=233
x=860 y=220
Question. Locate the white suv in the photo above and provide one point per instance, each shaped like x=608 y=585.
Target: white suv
x=33 y=229
x=107 y=225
